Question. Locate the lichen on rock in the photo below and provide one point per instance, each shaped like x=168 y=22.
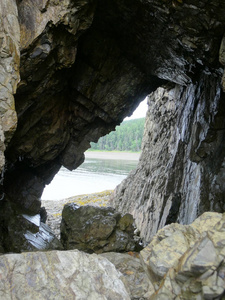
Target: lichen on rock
x=97 y=229
x=9 y=72
x=193 y=266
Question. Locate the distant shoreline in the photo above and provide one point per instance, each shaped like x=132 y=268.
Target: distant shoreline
x=112 y=155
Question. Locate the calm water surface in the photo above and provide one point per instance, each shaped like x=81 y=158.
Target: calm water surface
x=94 y=175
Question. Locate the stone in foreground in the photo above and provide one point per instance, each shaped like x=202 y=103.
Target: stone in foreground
x=96 y=229
x=188 y=261
x=57 y=275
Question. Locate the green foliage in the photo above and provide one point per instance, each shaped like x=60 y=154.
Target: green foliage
x=126 y=137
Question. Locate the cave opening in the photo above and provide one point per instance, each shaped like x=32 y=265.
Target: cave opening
x=102 y=169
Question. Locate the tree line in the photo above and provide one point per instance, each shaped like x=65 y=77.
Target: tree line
x=126 y=137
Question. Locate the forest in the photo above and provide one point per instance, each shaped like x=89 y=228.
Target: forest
x=126 y=137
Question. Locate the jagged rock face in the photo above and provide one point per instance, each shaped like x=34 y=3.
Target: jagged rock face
x=181 y=169
x=65 y=99
x=169 y=39
x=9 y=72
x=86 y=65
x=97 y=229
x=187 y=261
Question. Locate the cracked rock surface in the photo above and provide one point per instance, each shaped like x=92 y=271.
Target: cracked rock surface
x=193 y=267
x=59 y=275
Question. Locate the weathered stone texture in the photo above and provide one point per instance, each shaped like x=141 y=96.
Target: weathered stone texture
x=94 y=229
x=9 y=71
x=182 y=262
x=133 y=273
x=57 y=275
x=163 y=252
x=181 y=169
x=188 y=261
x=222 y=60
x=34 y=17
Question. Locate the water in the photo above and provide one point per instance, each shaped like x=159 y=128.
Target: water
x=94 y=175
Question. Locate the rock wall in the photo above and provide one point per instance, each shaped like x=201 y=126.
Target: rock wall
x=9 y=73
x=181 y=170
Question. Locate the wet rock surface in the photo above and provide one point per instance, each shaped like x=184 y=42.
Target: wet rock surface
x=57 y=275
x=54 y=208
x=25 y=232
x=95 y=229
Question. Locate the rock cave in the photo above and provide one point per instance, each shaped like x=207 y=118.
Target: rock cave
x=72 y=70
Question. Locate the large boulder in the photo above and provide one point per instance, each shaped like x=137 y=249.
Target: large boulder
x=188 y=261
x=96 y=229
x=54 y=208
x=57 y=275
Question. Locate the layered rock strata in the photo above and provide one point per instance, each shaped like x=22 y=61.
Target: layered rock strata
x=86 y=65
x=181 y=169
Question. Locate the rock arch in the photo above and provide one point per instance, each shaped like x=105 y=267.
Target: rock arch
x=83 y=67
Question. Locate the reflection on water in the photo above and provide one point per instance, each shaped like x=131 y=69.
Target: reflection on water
x=102 y=166
x=94 y=175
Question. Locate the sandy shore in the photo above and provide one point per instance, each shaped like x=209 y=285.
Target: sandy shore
x=112 y=155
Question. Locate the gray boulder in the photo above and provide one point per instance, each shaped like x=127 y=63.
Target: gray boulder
x=96 y=229
x=58 y=275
